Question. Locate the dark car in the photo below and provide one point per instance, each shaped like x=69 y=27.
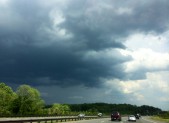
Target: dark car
x=137 y=116
x=115 y=116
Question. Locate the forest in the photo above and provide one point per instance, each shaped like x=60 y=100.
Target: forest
x=27 y=101
x=124 y=109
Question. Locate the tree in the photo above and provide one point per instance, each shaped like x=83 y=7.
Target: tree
x=7 y=97
x=60 y=109
x=65 y=109
x=28 y=101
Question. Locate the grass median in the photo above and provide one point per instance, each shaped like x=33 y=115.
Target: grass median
x=157 y=118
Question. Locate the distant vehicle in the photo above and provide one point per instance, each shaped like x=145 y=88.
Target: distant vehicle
x=137 y=116
x=131 y=118
x=81 y=115
x=115 y=116
x=99 y=114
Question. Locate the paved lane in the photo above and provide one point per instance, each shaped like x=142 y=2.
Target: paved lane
x=107 y=120
x=124 y=120
x=103 y=120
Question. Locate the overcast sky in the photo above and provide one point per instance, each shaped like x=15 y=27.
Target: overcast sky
x=86 y=51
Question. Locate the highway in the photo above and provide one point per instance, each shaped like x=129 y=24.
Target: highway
x=124 y=120
x=100 y=120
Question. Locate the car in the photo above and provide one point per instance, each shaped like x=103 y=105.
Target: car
x=81 y=115
x=137 y=116
x=131 y=118
x=115 y=116
x=99 y=114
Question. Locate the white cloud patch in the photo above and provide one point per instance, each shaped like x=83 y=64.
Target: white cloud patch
x=121 y=11
x=4 y=3
x=147 y=59
x=57 y=18
x=148 y=51
x=151 y=40
x=158 y=81
x=129 y=86
x=154 y=88
x=164 y=99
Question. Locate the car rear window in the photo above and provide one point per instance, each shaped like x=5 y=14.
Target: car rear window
x=115 y=113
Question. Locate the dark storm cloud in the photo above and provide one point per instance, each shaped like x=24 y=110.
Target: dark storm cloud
x=112 y=18
x=32 y=50
x=152 y=15
x=61 y=65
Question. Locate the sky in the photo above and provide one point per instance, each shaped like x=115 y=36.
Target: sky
x=87 y=51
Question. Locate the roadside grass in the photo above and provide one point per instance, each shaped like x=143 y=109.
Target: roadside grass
x=160 y=119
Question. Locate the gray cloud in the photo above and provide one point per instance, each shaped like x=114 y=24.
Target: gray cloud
x=62 y=65
x=27 y=57
x=29 y=50
x=73 y=43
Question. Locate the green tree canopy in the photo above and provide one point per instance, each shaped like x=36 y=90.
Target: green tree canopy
x=60 y=109
x=7 y=97
x=28 y=101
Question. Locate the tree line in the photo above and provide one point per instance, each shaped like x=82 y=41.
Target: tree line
x=124 y=109
x=26 y=101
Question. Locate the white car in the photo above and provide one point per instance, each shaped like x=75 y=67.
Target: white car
x=81 y=115
x=99 y=114
x=131 y=118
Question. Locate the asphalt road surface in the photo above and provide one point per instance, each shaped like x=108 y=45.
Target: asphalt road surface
x=124 y=120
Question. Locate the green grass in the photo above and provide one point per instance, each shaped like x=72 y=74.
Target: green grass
x=160 y=119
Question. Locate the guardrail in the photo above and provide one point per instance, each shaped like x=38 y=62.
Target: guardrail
x=46 y=119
